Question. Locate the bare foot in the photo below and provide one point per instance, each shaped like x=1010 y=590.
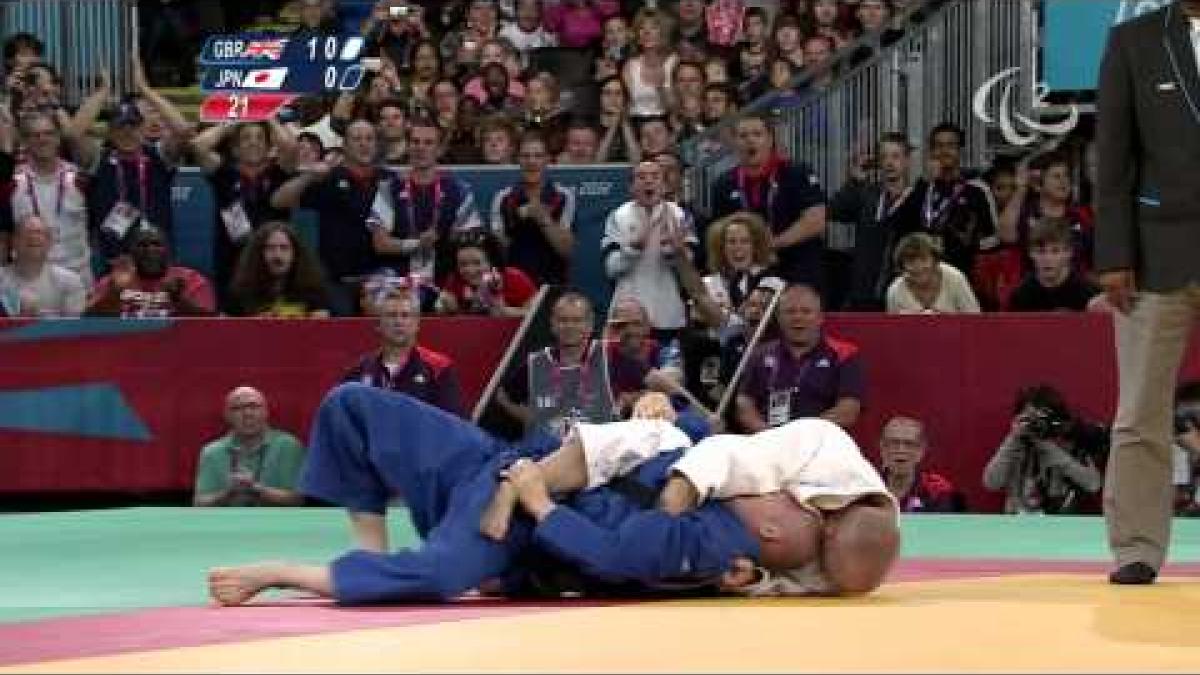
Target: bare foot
x=494 y=522
x=237 y=585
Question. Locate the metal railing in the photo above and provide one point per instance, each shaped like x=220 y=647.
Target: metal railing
x=82 y=37
x=928 y=76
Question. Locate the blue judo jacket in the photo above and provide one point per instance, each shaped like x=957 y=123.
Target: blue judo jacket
x=369 y=444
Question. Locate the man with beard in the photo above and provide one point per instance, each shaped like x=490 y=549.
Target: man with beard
x=342 y=196
x=804 y=373
x=787 y=195
x=278 y=276
x=242 y=185
x=400 y=364
x=146 y=285
x=536 y=218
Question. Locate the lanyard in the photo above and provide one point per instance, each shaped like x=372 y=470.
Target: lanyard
x=556 y=376
x=885 y=210
x=781 y=352
x=747 y=201
x=250 y=185
x=143 y=181
x=932 y=216
x=411 y=188
x=235 y=463
x=60 y=176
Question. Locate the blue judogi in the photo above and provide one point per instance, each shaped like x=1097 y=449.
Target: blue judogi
x=368 y=444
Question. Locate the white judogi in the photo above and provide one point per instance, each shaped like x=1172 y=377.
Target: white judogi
x=812 y=459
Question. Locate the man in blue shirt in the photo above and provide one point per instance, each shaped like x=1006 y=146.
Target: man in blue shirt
x=367 y=444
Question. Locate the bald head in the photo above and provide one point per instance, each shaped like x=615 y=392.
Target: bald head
x=788 y=533
x=246 y=412
x=860 y=544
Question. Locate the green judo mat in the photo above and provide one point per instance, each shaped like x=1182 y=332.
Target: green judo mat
x=91 y=562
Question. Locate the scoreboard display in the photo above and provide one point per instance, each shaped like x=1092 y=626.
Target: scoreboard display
x=249 y=77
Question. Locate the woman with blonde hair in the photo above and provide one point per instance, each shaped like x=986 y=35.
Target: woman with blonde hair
x=926 y=285
x=648 y=75
x=740 y=257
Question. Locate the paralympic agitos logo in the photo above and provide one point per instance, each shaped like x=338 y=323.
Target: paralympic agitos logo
x=1017 y=128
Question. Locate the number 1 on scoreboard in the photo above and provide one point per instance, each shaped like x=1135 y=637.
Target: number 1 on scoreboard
x=239 y=106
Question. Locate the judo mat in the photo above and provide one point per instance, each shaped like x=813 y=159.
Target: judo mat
x=122 y=591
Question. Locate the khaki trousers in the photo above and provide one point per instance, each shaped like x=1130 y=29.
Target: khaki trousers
x=1138 y=495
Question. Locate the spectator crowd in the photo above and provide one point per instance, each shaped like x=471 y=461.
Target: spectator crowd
x=86 y=222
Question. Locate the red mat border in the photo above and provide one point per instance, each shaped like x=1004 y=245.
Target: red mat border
x=175 y=627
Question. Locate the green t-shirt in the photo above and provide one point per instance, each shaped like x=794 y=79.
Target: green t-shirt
x=276 y=464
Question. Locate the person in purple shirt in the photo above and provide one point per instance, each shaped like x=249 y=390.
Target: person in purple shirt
x=804 y=373
x=400 y=364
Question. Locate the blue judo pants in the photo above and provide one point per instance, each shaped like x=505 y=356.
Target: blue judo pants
x=368 y=444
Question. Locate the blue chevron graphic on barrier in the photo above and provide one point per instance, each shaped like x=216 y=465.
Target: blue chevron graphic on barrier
x=59 y=329
x=88 y=410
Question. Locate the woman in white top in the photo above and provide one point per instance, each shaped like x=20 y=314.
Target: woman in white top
x=740 y=260
x=648 y=75
x=927 y=285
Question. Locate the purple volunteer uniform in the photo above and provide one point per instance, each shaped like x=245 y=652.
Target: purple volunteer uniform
x=784 y=388
x=368 y=444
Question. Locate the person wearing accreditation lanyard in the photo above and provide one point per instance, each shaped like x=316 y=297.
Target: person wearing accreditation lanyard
x=262 y=159
x=562 y=383
x=877 y=207
x=129 y=178
x=956 y=211
x=49 y=188
x=413 y=216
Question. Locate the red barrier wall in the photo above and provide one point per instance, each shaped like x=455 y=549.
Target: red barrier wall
x=959 y=374
x=175 y=379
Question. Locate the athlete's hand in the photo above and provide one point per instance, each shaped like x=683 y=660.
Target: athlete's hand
x=678 y=496
x=527 y=479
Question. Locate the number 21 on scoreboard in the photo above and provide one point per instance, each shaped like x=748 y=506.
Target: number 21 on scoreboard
x=239 y=106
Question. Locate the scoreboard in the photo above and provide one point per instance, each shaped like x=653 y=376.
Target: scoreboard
x=250 y=76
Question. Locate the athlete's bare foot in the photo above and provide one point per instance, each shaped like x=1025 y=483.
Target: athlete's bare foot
x=238 y=585
x=496 y=518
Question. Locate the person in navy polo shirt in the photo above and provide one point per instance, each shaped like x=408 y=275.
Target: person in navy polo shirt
x=788 y=195
x=342 y=196
x=400 y=364
x=804 y=373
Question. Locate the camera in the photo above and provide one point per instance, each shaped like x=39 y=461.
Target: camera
x=1045 y=423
